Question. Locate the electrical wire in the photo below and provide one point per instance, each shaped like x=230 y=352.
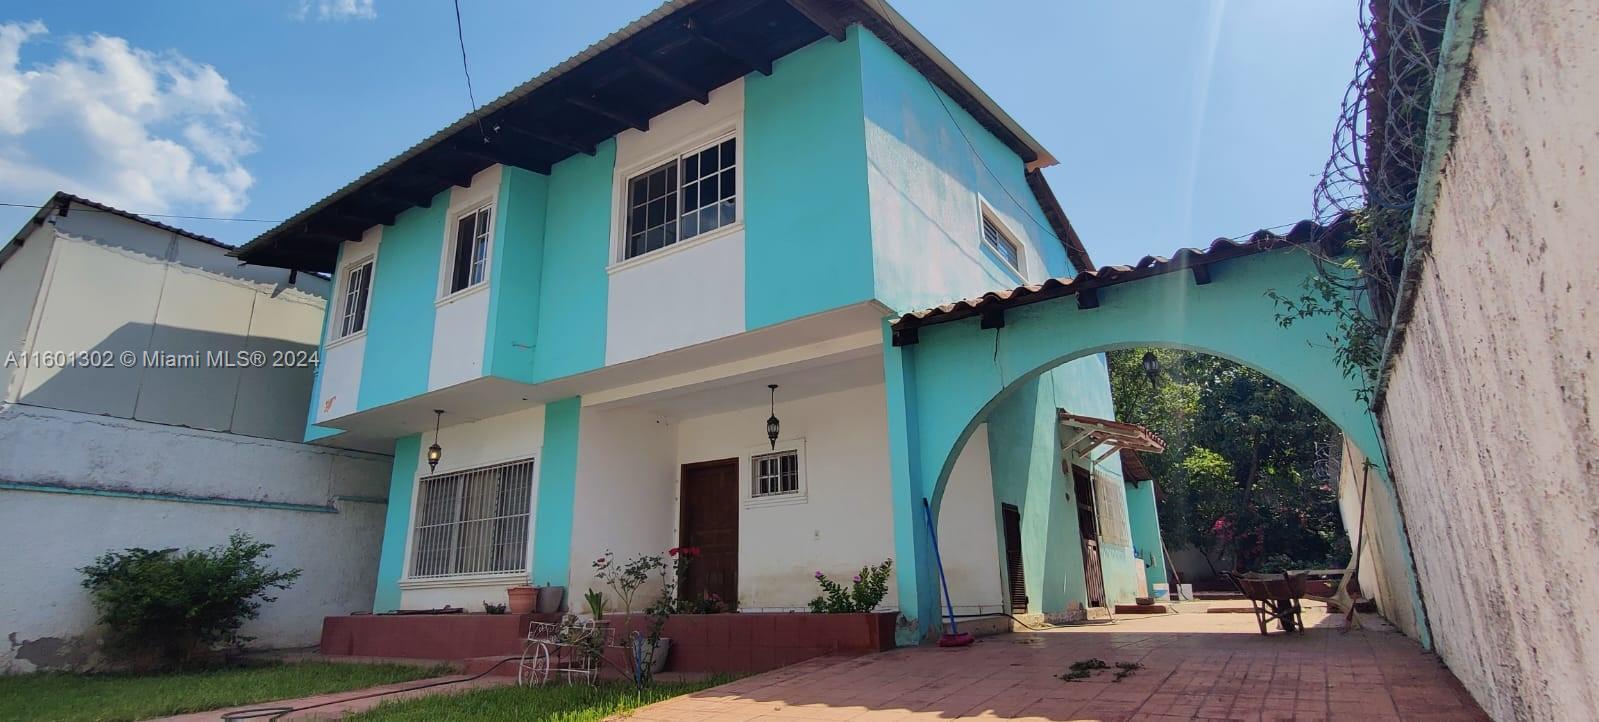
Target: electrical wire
x=460 y=38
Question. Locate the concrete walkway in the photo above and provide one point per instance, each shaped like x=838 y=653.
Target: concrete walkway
x=1196 y=666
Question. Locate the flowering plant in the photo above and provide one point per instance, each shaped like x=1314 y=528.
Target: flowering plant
x=865 y=592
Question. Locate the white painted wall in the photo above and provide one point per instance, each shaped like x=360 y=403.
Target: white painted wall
x=21 y=277
x=510 y=437
x=107 y=298
x=624 y=501
x=686 y=293
x=43 y=608
x=1490 y=410
x=968 y=532
x=676 y=297
x=342 y=358
x=1384 y=557
x=460 y=323
x=845 y=521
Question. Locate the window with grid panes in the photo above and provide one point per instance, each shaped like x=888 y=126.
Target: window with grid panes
x=473 y=521
x=693 y=194
x=775 y=474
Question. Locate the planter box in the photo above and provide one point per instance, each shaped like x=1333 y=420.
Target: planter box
x=427 y=636
x=758 y=642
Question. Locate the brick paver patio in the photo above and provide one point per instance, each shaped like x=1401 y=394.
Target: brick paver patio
x=1196 y=666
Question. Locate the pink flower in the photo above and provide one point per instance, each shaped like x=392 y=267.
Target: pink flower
x=818 y=574
x=857 y=579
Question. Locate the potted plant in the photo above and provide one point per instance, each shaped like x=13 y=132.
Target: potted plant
x=522 y=598
x=551 y=598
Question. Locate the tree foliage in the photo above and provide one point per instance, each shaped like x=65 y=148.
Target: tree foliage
x=1240 y=468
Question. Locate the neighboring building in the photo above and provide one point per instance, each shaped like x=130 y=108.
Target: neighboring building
x=597 y=277
x=118 y=430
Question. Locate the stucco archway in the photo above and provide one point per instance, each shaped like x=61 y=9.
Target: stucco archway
x=950 y=366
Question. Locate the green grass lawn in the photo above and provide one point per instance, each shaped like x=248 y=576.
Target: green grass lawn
x=555 y=703
x=109 y=697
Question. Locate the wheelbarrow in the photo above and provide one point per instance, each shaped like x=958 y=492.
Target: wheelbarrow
x=1275 y=598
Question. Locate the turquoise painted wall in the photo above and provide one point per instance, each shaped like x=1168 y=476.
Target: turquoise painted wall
x=552 y=527
x=397 y=523
x=963 y=373
x=807 y=241
x=577 y=246
x=515 y=275
x=399 y=327
x=927 y=163
x=1145 y=518
x=1025 y=462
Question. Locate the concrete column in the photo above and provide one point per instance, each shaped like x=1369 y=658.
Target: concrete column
x=397 y=523
x=916 y=569
x=552 y=527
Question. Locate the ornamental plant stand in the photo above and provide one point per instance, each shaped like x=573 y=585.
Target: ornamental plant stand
x=572 y=648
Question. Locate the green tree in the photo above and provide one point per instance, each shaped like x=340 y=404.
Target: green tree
x=1239 y=471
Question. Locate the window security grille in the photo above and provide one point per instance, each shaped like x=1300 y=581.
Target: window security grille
x=473 y=521
x=776 y=474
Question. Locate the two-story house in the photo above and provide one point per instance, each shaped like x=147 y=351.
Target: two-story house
x=592 y=295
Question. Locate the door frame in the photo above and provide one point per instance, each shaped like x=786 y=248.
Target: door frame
x=682 y=508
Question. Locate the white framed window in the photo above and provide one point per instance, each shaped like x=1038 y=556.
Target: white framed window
x=689 y=195
x=774 y=474
x=467 y=263
x=354 y=299
x=472 y=522
x=999 y=239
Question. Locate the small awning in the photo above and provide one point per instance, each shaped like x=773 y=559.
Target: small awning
x=1088 y=437
x=1133 y=468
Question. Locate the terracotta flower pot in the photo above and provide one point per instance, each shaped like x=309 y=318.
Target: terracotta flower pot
x=522 y=599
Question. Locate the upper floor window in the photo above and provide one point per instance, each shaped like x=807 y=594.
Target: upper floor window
x=353 y=303
x=469 y=252
x=999 y=240
x=692 y=194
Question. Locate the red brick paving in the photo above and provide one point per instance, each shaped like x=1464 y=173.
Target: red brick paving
x=1196 y=666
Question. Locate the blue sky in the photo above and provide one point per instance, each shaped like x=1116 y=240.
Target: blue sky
x=1175 y=122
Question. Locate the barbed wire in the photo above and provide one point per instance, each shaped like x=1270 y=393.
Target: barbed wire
x=1379 y=140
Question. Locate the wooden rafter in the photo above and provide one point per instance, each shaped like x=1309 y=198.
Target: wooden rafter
x=667 y=78
x=594 y=105
x=736 y=52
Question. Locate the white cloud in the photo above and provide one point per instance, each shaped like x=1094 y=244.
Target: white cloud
x=336 y=10
x=137 y=129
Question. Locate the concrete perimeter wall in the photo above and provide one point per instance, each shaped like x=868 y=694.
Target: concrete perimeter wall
x=74 y=486
x=1490 y=412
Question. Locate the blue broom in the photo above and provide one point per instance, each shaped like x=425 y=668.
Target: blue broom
x=954 y=637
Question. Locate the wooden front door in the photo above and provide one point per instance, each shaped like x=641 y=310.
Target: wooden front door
x=1088 y=524
x=709 y=521
x=1014 y=569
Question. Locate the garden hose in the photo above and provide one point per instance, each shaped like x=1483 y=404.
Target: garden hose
x=271 y=714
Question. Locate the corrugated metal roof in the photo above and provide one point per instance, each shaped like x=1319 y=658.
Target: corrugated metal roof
x=62 y=200
x=268 y=248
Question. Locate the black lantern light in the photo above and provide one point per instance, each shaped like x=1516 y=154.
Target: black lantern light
x=1152 y=368
x=771 y=421
x=435 y=452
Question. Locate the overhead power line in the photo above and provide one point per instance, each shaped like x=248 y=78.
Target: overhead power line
x=81 y=209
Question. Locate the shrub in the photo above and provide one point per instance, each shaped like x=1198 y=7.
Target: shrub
x=865 y=592
x=167 y=606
